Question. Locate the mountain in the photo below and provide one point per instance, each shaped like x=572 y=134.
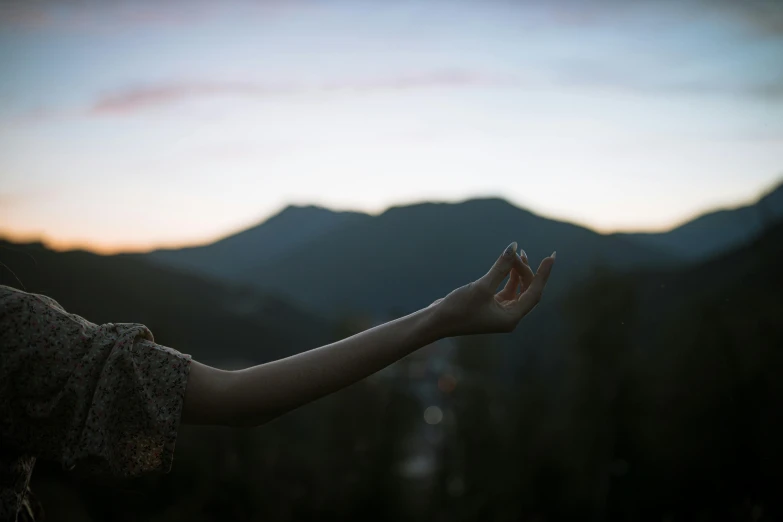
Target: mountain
x=718 y=231
x=411 y=255
x=742 y=286
x=392 y=263
x=233 y=255
x=214 y=322
x=671 y=374
x=698 y=380
x=336 y=263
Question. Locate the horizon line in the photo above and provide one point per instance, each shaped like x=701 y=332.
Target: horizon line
x=119 y=249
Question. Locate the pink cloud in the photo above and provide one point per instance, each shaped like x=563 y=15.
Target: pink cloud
x=134 y=99
x=147 y=97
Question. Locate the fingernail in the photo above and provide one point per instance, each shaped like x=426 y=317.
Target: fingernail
x=554 y=254
x=522 y=253
x=510 y=249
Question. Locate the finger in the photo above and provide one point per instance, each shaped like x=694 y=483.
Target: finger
x=510 y=290
x=492 y=279
x=531 y=297
x=524 y=270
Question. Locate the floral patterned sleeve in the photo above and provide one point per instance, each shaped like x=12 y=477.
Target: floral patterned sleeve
x=103 y=397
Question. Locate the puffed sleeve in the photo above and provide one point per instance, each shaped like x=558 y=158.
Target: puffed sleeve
x=104 y=397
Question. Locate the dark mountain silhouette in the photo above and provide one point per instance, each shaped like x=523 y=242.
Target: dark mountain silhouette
x=661 y=399
x=234 y=255
x=213 y=321
x=677 y=374
x=718 y=231
x=407 y=257
x=403 y=259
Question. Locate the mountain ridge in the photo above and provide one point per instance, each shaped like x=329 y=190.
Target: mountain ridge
x=716 y=231
x=391 y=260
x=293 y=225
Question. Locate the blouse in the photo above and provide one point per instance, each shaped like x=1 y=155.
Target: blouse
x=106 y=398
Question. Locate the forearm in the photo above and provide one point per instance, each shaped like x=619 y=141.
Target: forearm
x=255 y=395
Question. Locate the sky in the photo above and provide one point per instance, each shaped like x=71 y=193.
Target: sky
x=126 y=126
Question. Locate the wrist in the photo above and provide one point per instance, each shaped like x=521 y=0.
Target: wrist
x=434 y=323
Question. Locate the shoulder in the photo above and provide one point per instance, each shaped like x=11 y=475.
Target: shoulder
x=9 y=294
x=11 y=297
x=17 y=305
x=26 y=318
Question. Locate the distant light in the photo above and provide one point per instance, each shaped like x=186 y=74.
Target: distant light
x=417 y=466
x=433 y=415
x=447 y=383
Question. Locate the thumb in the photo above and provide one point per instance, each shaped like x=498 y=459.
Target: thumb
x=500 y=269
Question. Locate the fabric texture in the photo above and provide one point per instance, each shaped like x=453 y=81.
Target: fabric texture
x=105 y=398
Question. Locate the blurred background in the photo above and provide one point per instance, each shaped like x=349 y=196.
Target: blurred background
x=251 y=179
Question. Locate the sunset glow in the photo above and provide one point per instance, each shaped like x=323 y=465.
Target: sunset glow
x=133 y=125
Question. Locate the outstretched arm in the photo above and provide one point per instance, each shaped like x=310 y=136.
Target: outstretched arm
x=256 y=395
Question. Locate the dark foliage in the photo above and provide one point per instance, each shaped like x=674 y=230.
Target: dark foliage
x=659 y=398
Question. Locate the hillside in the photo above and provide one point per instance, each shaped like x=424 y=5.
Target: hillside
x=394 y=264
x=235 y=254
x=409 y=256
x=211 y=321
x=718 y=231
x=662 y=401
x=696 y=381
x=404 y=259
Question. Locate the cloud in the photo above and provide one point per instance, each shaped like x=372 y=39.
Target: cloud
x=584 y=75
x=596 y=75
x=147 y=97
x=564 y=74
x=763 y=17
x=102 y=16
x=758 y=17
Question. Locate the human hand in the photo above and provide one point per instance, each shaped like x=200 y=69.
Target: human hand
x=476 y=308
